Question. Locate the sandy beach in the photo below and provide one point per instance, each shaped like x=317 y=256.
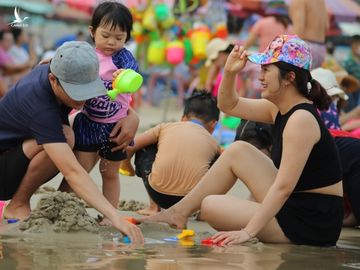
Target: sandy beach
x=104 y=250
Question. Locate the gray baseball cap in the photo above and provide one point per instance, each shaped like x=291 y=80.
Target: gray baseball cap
x=76 y=65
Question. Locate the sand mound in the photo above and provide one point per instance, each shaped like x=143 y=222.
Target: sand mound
x=59 y=212
x=131 y=205
x=45 y=190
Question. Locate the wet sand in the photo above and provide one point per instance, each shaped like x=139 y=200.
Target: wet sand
x=59 y=212
x=105 y=249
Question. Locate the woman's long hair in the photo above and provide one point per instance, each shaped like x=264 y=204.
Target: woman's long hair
x=316 y=94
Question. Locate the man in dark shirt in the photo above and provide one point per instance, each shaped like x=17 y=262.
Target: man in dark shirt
x=35 y=138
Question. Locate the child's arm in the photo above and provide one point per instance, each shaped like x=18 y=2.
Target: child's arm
x=124 y=59
x=140 y=142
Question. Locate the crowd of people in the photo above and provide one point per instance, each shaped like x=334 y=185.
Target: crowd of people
x=304 y=185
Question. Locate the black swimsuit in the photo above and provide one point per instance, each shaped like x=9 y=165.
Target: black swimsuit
x=311 y=218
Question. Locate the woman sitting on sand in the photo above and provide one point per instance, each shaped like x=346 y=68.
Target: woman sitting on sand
x=298 y=192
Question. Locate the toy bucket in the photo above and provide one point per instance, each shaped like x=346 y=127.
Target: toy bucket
x=198 y=42
x=156 y=52
x=149 y=20
x=175 y=52
x=162 y=12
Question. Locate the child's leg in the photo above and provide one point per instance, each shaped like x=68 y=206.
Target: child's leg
x=111 y=183
x=109 y=171
x=88 y=160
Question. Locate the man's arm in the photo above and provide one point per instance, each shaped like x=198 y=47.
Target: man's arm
x=82 y=184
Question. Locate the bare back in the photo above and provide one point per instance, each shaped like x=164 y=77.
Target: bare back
x=310 y=19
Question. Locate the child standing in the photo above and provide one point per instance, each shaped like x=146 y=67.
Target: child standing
x=110 y=29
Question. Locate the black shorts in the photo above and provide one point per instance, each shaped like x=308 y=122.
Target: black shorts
x=104 y=151
x=312 y=218
x=92 y=136
x=13 y=166
x=144 y=159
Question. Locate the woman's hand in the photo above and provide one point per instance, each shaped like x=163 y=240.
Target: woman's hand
x=124 y=131
x=236 y=60
x=128 y=229
x=231 y=237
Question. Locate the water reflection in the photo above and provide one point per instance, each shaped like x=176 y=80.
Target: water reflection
x=88 y=251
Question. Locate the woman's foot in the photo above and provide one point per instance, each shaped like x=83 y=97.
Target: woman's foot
x=169 y=216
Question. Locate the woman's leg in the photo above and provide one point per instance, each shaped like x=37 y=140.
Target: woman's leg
x=241 y=160
x=229 y=213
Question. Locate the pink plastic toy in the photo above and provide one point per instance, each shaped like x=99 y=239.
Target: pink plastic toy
x=175 y=52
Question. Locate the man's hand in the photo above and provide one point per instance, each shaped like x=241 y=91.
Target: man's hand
x=129 y=229
x=124 y=131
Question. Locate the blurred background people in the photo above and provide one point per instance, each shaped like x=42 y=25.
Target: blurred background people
x=276 y=22
x=9 y=70
x=311 y=22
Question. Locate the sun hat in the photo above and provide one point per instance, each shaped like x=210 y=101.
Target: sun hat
x=213 y=48
x=76 y=66
x=276 y=7
x=286 y=48
x=328 y=80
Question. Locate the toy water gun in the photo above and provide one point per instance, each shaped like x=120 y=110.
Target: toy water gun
x=128 y=81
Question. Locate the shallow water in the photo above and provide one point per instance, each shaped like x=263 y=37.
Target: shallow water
x=105 y=251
